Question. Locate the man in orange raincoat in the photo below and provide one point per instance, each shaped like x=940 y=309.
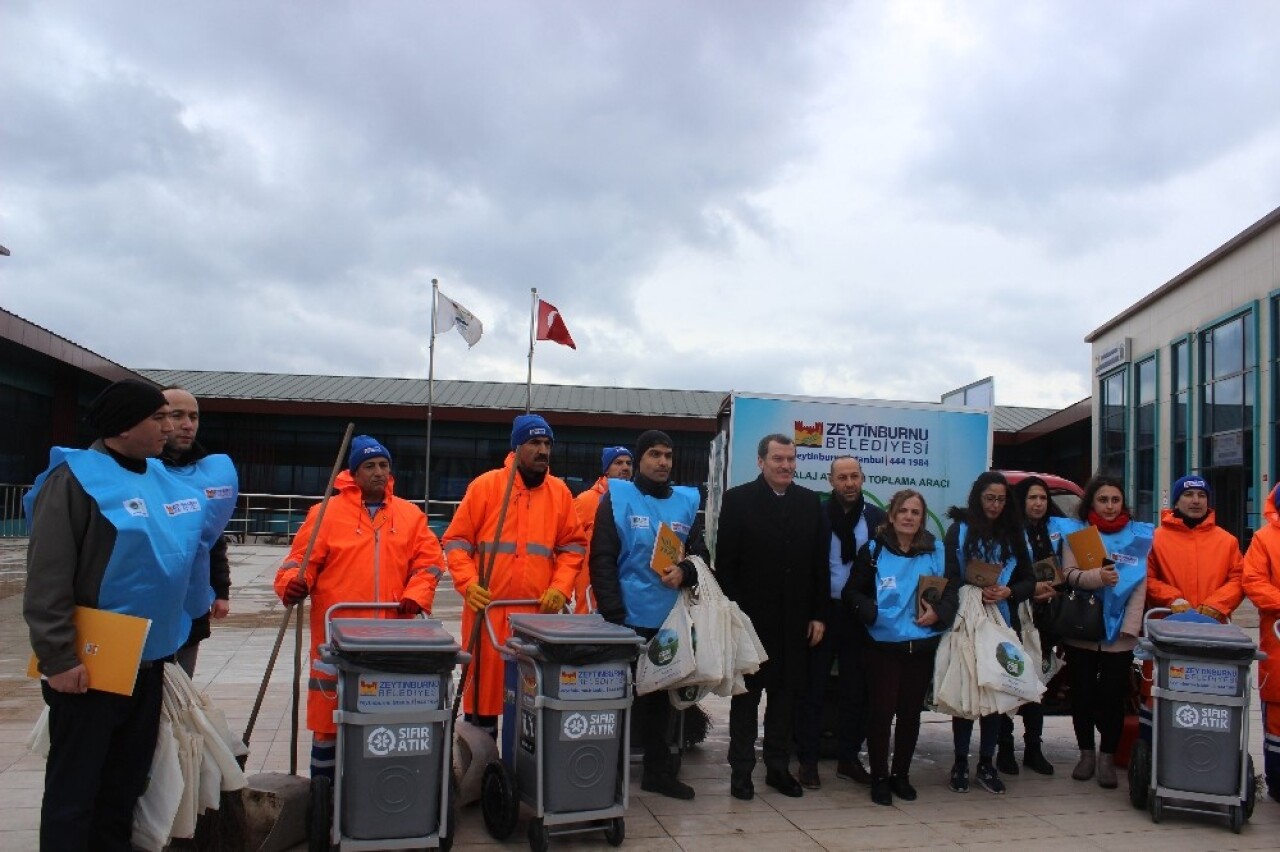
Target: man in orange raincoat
x=616 y=464
x=372 y=546
x=1262 y=585
x=537 y=556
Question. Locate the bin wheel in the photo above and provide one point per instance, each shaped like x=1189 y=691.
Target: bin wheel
x=1156 y=807
x=498 y=801
x=320 y=815
x=539 y=837
x=616 y=832
x=1139 y=774
x=1236 y=814
x=1250 y=790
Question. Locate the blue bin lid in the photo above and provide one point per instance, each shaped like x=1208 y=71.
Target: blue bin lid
x=1194 y=637
x=571 y=629
x=418 y=635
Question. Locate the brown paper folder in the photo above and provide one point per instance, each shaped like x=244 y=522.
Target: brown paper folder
x=982 y=574
x=668 y=550
x=929 y=588
x=109 y=644
x=1087 y=547
x=1047 y=571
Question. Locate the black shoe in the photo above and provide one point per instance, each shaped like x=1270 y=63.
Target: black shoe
x=809 y=778
x=782 y=781
x=989 y=779
x=902 y=788
x=1033 y=758
x=666 y=785
x=881 y=791
x=853 y=771
x=959 y=777
x=740 y=786
x=1006 y=761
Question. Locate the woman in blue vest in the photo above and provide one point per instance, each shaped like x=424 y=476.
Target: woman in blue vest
x=987 y=532
x=1045 y=527
x=1100 y=669
x=901 y=645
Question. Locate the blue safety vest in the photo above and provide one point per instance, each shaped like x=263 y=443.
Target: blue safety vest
x=994 y=555
x=897 y=578
x=158 y=521
x=1128 y=548
x=217 y=485
x=1059 y=529
x=637 y=516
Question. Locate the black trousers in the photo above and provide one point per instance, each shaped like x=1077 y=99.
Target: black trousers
x=744 y=722
x=841 y=642
x=1032 y=725
x=1099 y=686
x=100 y=750
x=654 y=717
x=898 y=686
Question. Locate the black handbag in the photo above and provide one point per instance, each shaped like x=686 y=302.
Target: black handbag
x=1079 y=617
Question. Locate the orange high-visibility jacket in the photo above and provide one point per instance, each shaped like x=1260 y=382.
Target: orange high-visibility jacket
x=388 y=557
x=542 y=547
x=1200 y=564
x=586 y=504
x=1262 y=584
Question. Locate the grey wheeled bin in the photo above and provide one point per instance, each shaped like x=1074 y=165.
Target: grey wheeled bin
x=395 y=734
x=565 y=727
x=1199 y=752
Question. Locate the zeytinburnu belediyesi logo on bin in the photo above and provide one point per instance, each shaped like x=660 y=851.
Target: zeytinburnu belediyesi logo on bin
x=1010 y=658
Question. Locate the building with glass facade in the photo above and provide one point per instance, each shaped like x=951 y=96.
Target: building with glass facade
x=1185 y=382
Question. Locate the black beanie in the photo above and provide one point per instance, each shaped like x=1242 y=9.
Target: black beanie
x=122 y=406
x=652 y=438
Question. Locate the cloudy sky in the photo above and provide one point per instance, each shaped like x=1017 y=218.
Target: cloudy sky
x=881 y=199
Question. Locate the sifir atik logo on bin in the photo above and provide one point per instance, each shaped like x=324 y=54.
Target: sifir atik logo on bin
x=385 y=740
x=590 y=726
x=663 y=647
x=1010 y=658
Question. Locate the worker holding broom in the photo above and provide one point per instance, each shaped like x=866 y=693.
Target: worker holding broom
x=371 y=546
x=515 y=536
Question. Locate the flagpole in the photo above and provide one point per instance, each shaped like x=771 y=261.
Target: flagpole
x=533 y=327
x=431 y=394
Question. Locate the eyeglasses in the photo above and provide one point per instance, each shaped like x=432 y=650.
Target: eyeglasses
x=994 y=499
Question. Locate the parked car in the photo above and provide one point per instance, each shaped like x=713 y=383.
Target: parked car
x=1065 y=493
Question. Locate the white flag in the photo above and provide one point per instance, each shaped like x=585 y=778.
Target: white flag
x=449 y=314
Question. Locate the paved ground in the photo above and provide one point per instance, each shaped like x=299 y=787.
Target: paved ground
x=1037 y=813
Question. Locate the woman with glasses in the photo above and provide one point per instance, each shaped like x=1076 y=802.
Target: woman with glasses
x=1100 y=669
x=902 y=643
x=986 y=538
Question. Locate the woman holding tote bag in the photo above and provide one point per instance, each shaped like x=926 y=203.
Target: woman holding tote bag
x=903 y=635
x=1100 y=668
x=985 y=547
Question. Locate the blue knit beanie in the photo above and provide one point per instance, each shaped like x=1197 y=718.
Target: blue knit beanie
x=1190 y=481
x=363 y=448
x=610 y=454
x=528 y=426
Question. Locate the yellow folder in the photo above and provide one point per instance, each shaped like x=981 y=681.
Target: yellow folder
x=1087 y=547
x=668 y=550
x=109 y=644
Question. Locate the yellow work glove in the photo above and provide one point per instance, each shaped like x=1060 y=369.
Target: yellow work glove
x=1209 y=611
x=477 y=597
x=1180 y=605
x=552 y=600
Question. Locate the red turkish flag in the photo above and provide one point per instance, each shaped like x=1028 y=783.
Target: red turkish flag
x=551 y=325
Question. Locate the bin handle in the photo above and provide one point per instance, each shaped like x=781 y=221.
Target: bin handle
x=328 y=613
x=488 y=625
x=1163 y=610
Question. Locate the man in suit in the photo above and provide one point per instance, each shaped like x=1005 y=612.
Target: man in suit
x=771 y=558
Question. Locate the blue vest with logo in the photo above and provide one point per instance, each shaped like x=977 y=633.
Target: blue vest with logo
x=1059 y=529
x=1128 y=548
x=217 y=486
x=637 y=516
x=896 y=580
x=994 y=555
x=158 y=521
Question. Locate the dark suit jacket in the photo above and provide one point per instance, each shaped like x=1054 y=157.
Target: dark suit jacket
x=771 y=558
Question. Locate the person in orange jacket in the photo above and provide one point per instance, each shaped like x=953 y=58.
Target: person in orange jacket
x=538 y=557
x=372 y=546
x=616 y=464
x=1262 y=584
x=1194 y=563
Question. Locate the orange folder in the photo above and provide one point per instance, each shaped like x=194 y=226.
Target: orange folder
x=1087 y=547
x=668 y=550
x=109 y=644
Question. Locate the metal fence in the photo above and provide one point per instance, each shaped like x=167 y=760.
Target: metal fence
x=265 y=518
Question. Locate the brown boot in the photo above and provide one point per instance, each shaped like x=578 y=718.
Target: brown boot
x=1085 y=768
x=1107 y=771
